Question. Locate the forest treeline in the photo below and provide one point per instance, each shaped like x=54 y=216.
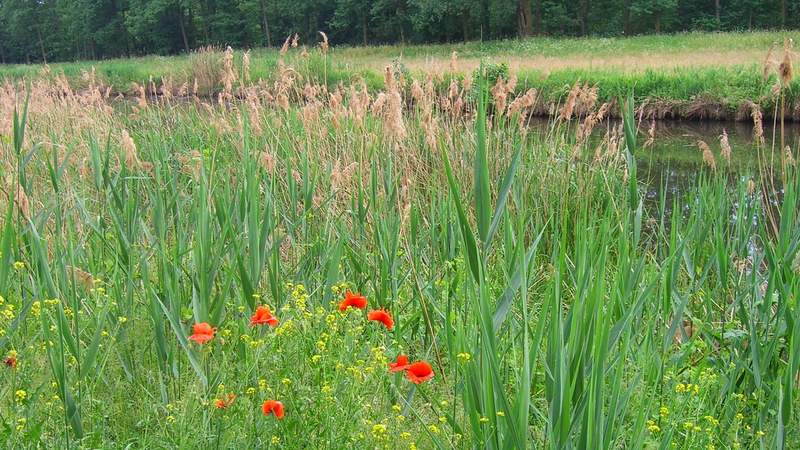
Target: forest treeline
x=57 y=30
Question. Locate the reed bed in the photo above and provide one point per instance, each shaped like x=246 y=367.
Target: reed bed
x=176 y=272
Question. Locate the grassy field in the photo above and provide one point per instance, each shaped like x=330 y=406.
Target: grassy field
x=694 y=75
x=181 y=273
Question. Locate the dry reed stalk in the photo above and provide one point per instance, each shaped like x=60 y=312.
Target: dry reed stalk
x=758 y=125
x=341 y=176
x=337 y=112
x=522 y=102
x=132 y=161
x=228 y=77
x=285 y=47
x=708 y=156
x=452 y=92
x=467 y=83
x=253 y=105
x=245 y=68
x=82 y=277
x=790 y=161
x=404 y=201
x=359 y=102
x=500 y=95
x=416 y=92
x=393 y=121
x=453 y=61
x=768 y=64
x=378 y=104
x=295 y=40
x=686 y=329
x=651 y=134
x=166 y=89
x=192 y=163
x=569 y=106
x=20 y=198
x=725 y=146
x=323 y=46
x=785 y=70
x=511 y=85
x=267 y=160
x=141 y=96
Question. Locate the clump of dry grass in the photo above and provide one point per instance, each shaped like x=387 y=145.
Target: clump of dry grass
x=131 y=155
x=500 y=95
x=205 y=70
x=228 y=77
x=82 y=277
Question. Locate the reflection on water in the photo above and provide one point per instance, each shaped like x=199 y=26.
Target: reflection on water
x=674 y=162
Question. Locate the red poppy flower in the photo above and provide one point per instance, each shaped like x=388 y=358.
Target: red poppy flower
x=263 y=316
x=419 y=372
x=223 y=403
x=399 y=365
x=381 y=316
x=202 y=333
x=354 y=300
x=11 y=362
x=273 y=407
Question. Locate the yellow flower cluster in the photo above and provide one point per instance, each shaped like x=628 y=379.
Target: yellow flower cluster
x=688 y=388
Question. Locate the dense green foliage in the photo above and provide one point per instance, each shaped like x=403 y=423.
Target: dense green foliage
x=50 y=30
x=560 y=306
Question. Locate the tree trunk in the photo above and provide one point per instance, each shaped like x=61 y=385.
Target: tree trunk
x=717 y=10
x=41 y=45
x=2 y=55
x=364 y=28
x=538 y=16
x=783 y=14
x=626 y=17
x=183 y=30
x=265 y=23
x=465 y=26
x=485 y=28
x=658 y=22
x=524 y=18
x=583 y=18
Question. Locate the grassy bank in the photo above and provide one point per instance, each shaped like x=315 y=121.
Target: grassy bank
x=696 y=75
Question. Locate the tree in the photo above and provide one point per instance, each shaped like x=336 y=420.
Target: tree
x=524 y=18
x=351 y=15
x=656 y=11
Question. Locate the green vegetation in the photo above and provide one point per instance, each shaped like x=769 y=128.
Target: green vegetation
x=49 y=30
x=696 y=75
x=556 y=306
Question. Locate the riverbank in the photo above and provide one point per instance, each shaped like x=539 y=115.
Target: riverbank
x=696 y=76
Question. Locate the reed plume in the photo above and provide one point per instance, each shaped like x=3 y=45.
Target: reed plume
x=725 y=146
x=708 y=156
x=323 y=46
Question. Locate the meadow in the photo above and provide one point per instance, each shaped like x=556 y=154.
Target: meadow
x=298 y=264
x=687 y=75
